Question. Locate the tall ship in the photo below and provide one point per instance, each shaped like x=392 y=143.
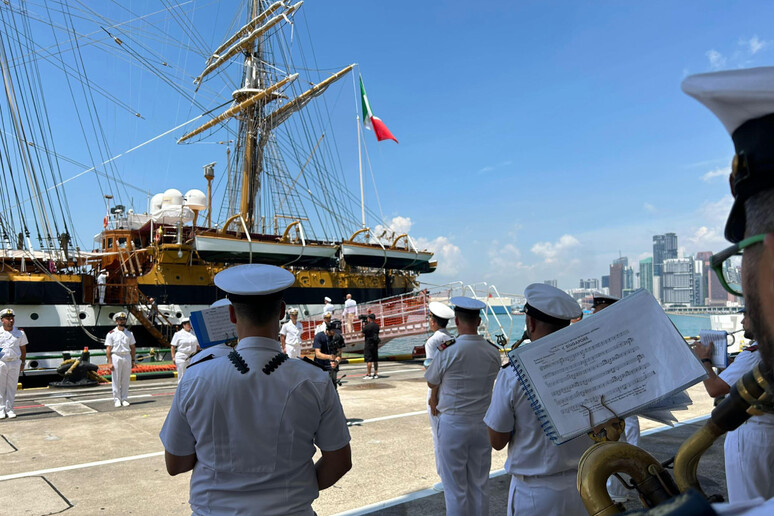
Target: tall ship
x=273 y=188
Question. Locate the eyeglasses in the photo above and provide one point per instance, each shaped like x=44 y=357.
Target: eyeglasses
x=727 y=264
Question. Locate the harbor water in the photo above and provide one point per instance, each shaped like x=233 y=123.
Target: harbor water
x=688 y=325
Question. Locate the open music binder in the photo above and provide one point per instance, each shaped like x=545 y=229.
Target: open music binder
x=213 y=326
x=628 y=356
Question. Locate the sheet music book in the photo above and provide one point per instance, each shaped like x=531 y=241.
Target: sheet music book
x=719 y=340
x=213 y=326
x=630 y=353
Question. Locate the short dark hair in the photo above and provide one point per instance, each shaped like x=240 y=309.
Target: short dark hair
x=371 y=316
x=441 y=322
x=467 y=316
x=259 y=310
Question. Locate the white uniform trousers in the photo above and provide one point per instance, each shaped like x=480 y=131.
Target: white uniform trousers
x=9 y=379
x=293 y=351
x=122 y=372
x=465 y=458
x=545 y=495
x=632 y=436
x=749 y=452
x=181 y=362
x=434 y=429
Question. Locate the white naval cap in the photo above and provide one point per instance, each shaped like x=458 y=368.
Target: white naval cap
x=601 y=299
x=221 y=302
x=7 y=312
x=327 y=299
x=743 y=100
x=550 y=304
x=467 y=303
x=293 y=311
x=185 y=320
x=441 y=310
x=254 y=279
x=119 y=315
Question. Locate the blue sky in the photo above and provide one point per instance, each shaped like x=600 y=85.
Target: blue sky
x=537 y=139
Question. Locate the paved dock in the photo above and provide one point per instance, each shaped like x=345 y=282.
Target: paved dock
x=72 y=452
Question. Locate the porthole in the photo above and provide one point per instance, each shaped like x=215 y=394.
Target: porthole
x=34 y=316
x=178 y=314
x=322 y=281
x=82 y=316
x=110 y=315
x=177 y=278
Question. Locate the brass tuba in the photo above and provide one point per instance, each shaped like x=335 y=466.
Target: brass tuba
x=752 y=395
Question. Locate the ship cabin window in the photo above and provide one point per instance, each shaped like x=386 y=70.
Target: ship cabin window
x=109 y=243
x=137 y=243
x=122 y=242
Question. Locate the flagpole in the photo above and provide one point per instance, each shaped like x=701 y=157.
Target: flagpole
x=360 y=167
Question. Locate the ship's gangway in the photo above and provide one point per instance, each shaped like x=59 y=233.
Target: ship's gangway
x=406 y=315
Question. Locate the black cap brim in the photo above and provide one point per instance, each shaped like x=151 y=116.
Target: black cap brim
x=736 y=222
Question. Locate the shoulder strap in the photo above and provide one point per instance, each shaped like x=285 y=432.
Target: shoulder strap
x=312 y=362
x=208 y=357
x=446 y=344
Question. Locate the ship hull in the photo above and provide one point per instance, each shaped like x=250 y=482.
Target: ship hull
x=383 y=258
x=215 y=248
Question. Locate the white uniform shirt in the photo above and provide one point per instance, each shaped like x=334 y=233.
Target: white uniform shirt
x=328 y=308
x=465 y=372
x=435 y=340
x=185 y=342
x=319 y=328
x=119 y=341
x=350 y=306
x=292 y=333
x=530 y=451
x=744 y=363
x=102 y=278
x=218 y=350
x=11 y=343
x=254 y=434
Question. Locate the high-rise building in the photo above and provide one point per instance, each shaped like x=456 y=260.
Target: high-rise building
x=589 y=284
x=664 y=248
x=698 y=283
x=551 y=282
x=616 y=279
x=628 y=278
x=646 y=274
x=706 y=272
x=606 y=281
x=678 y=280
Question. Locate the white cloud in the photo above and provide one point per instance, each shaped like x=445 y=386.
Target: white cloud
x=753 y=45
x=714 y=214
x=550 y=251
x=448 y=255
x=395 y=226
x=650 y=208
x=490 y=168
x=722 y=171
x=716 y=59
x=505 y=257
x=707 y=238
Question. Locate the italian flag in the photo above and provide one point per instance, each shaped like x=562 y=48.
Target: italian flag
x=372 y=122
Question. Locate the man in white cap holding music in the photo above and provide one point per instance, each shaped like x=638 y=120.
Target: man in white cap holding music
x=543 y=474
x=249 y=424
x=290 y=335
x=121 y=358
x=183 y=346
x=439 y=318
x=13 y=352
x=462 y=374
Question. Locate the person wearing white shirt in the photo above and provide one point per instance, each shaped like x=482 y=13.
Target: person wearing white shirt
x=461 y=377
x=438 y=318
x=749 y=450
x=248 y=425
x=350 y=312
x=121 y=357
x=320 y=328
x=543 y=474
x=184 y=344
x=328 y=307
x=102 y=285
x=13 y=351
x=290 y=335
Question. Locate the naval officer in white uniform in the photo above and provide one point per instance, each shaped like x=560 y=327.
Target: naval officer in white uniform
x=439 y=318
x=184 y=345
x=13 y=351
x=543 y=474
x=121 y=357
x=248 y=424
x=290 y=335
x=749 y=450
x=463 y=372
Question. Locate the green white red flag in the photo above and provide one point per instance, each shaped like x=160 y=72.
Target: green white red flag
x=372 y=122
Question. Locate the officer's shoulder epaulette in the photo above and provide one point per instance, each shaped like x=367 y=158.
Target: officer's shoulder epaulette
x=505 y=365
x=111 y=331
x=208 y=357
x=312 y=362
x=752 y=348
x=446 y=344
